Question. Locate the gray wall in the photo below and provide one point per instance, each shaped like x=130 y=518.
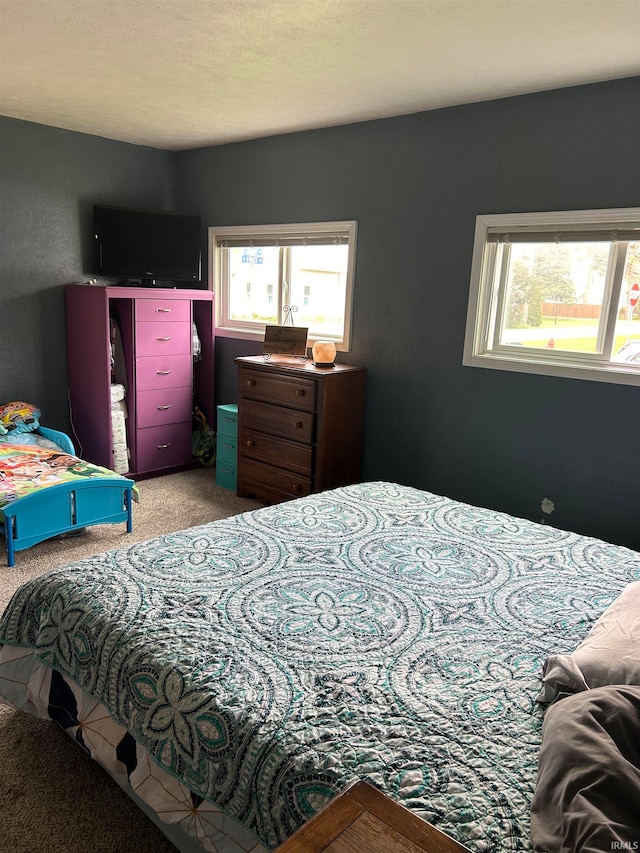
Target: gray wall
x=415 y=184
x=49 y=180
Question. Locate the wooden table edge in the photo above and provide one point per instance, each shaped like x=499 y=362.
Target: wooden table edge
x=331 y=821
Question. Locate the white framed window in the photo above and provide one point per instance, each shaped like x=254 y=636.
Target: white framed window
x=558 y=294
x=272 y=274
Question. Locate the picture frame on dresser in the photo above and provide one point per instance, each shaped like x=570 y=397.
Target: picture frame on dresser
x=285 y=340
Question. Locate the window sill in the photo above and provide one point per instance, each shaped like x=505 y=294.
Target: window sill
x=239 y=334
x=620 y=374
x=258 y=337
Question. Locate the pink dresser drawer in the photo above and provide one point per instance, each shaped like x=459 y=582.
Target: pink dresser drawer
x=163 y=447
x=163 y=371
x=168 y=337
x=163 y=406
x=163 y=310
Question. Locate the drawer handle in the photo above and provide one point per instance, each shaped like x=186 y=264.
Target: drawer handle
x=224 y=444
x=163 y=310
x=164 y=446
x=250 y=442
x=251 y=382
x=298 y=424
x=163 y=372
x=300 y=392
x=163 y=339
x=162 y=408
x=296 y=487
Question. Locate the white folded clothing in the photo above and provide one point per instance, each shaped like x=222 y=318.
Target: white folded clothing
x=118 y=393
x=118 y=428
x=120 y=460
x=120 y=406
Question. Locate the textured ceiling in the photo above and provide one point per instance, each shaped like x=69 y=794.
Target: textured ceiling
x=179 y=74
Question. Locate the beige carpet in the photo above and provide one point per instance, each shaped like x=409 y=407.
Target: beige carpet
x=53 y=798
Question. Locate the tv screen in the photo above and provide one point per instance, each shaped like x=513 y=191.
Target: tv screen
x=147 y=245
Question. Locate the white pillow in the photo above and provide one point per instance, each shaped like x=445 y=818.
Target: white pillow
x=610 y=654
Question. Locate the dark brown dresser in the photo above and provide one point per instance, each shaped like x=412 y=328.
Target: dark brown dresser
x=300 y=427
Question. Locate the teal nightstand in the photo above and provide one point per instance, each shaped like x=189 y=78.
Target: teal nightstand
x=227 y=446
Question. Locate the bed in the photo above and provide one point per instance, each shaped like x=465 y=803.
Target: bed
x=46 y=490
x=236 y=676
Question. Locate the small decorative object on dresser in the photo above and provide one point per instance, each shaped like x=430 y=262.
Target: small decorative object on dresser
x=363 y=819
x=299 y=427
x=323 y=353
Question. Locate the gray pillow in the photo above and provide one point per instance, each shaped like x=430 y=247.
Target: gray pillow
x=610 y=654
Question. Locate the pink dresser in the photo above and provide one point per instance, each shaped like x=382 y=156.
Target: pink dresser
x=163 y=379
x=164 y=370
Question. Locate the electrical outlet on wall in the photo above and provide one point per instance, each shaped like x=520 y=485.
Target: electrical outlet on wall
x=547 y=507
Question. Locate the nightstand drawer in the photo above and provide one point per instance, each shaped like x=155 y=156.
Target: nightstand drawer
x=273 y=483
x=276 y=420
x=274 y=451
x=296 y=392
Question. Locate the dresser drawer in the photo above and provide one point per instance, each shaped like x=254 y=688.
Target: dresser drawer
x=163 y=310
x=163 y=406
x=299 y=393
x=226 y=475
x=228 y=420
x=226 y=448
x=163 y=446
x=163 y=371
x=267 y=482
x=163 y=338
x=275 y=451
x=276 y=420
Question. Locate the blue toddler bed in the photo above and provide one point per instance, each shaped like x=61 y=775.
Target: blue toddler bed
x=46 y=490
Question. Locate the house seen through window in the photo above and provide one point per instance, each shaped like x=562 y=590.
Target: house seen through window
x=269 y=275
x=557 y=293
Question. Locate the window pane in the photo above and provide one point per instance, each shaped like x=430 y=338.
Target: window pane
x=253 y=276
x=554 y=295
x=626 y=345
x=318 y=281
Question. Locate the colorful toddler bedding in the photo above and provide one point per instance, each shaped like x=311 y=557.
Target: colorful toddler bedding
x=261 y=663
x=33 y=439
x=28 y=468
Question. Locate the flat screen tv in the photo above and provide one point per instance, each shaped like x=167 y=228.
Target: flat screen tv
x=151 y=246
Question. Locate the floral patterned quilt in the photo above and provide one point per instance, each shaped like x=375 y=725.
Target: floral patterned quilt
x=371 y=632
x=27 y=468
